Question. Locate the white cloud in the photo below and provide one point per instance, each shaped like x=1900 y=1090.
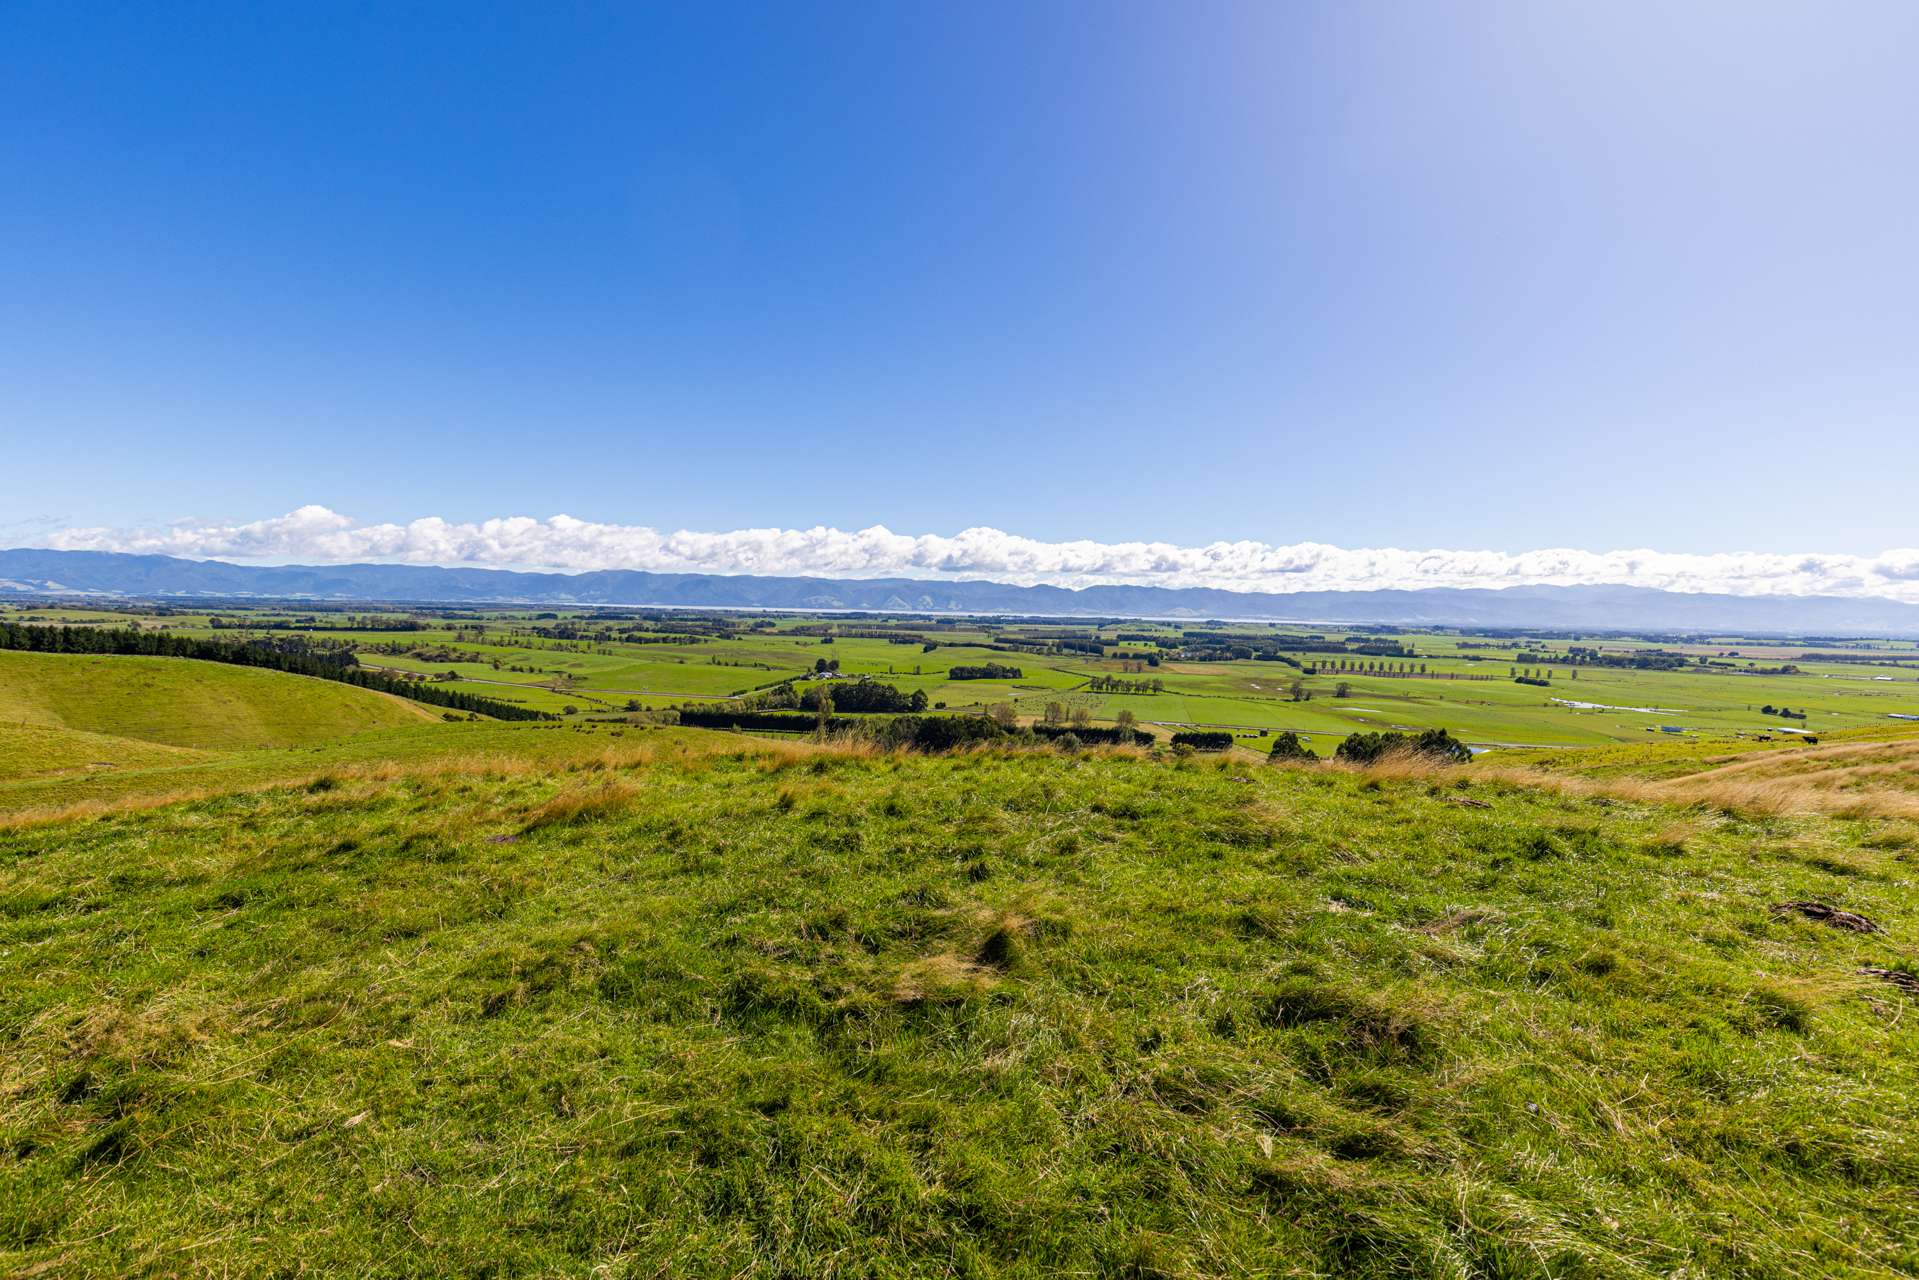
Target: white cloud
x=316 y=535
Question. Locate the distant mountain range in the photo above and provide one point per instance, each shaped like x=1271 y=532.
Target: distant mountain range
x=28 y=571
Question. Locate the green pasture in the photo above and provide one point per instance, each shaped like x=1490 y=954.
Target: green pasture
x=540 y=1002
x=598 y=674
x=180 y=702
x=40 y=750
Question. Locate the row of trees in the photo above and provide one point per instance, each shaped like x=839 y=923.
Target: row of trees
x=1113 y=684
x=286 y=653
x=1072 y=737
x=1203 y=740
x=352 y=622
x=862 y=697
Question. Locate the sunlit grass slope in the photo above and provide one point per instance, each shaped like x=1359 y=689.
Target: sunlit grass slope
x=792 y=1013
x=190 y=704
x=1665 y=759
x=1865 y=773
x=462 y=744
x=35 y=750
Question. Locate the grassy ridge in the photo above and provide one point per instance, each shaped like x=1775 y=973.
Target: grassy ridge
x=37 y=798
x=1673 y=759
x=790 y=1012
x=180 y=702
x=34 y=751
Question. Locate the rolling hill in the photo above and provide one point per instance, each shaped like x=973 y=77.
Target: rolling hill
x=38 y=750
x=182 y=703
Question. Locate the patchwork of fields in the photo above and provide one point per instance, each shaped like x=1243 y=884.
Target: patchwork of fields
x=590 y=664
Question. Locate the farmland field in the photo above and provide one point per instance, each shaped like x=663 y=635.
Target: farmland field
x=1504 y=691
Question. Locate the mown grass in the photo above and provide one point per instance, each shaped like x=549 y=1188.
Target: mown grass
x=794 y=1012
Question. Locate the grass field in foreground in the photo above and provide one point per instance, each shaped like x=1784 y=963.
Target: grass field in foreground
x=184 y=703
x=795 y=1013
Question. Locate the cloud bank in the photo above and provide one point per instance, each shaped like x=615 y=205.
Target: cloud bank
x=317 y=535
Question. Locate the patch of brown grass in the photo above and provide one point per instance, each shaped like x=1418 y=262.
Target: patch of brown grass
x=86 y=810
x=582 y=804
x=1771 y=797
x=942 y=979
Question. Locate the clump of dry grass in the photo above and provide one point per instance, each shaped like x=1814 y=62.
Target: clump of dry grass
x=582 y=804
x=1766 y=796
x=1792 y=1004
x=1782 y=797
x=942 y=979
x=1674 y=837
x=85 y=810
x=1401 y=766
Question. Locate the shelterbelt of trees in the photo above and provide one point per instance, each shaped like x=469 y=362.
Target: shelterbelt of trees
x=295 y=655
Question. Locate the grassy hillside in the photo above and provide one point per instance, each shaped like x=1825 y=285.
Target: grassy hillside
x=1851 y=774
x=37 y=751
x=189 y=704
x=789 y=1012
x=192 y=774
x=1662 y=759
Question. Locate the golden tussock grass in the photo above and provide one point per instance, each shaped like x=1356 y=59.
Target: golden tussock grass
x=85 y=810
x=1675 y=837
x=1735 y=788
x=1842 y=751
x=1772 y=797
x=941 y=978
x=583 y=804
x=1403 y=766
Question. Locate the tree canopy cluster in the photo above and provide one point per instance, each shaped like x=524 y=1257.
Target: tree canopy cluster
x=1435 y=744
x=1290 y=746
x=989 y=671
x=863 y=697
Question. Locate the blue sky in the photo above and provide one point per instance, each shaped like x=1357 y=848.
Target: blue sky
x=1496 y=276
